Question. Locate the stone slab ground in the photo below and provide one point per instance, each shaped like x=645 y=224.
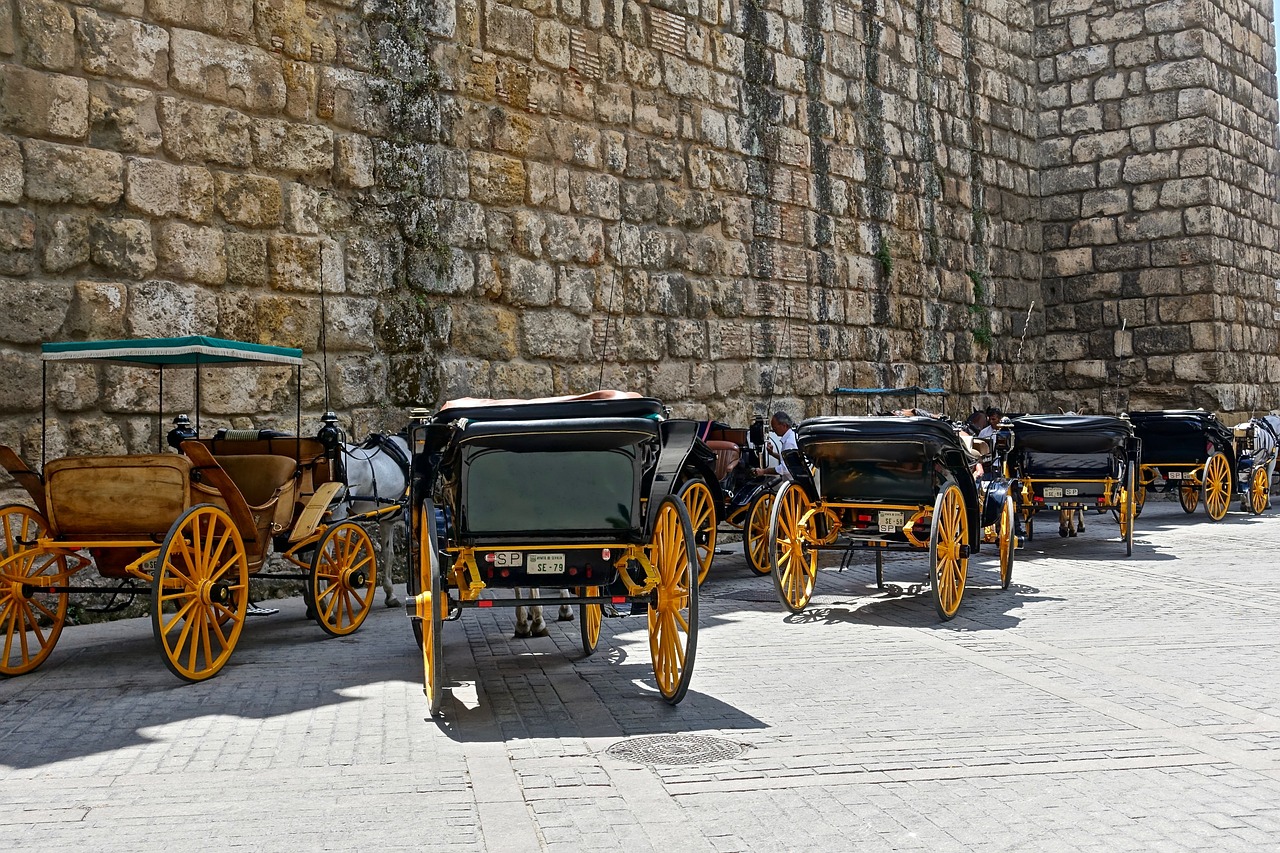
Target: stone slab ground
x=1101 y=703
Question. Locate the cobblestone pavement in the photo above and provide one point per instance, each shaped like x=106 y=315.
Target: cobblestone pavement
x=1101 y=703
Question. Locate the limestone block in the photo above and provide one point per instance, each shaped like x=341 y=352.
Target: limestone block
x=551 y=43
x=74 y=387
x=237 y=317
x=556 y=334
x=527 y=283
x=595 y=195
x=227 y=73
x=161 y=190
x=288 y=321
x=123 y=47
x=1146 y=168
x=484 y=330
x=1067 y=262
x=496 y=180
x=68 y=174
x=246 y=258
x=161 y=309
x=295 y=263
x=286 y=26
x=192 y=253
x=198 y=133
x=249 y=200
x=576 y=289
x=11 y=171
x=1178 y=74
x=1177 y=15
x=97 y=310
x=48 y=31
x=66 y=241
x=230 y=17
x=8 y=37
x=354 y=167
x=297 y=149
x=350 y=323
x=1185 y=132
x=1083 y=62
x=302 y=209
x=521 y=379
x=122 y=246
x=123 y=118
x=357 y=380
x=508 y=30
x=17 y=242
x=34 y=103
x=20 y=389
x=368 y=270
x=301 y=83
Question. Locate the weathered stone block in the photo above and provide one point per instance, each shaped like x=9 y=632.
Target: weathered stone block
x=162 y=309
x=122 y=246
x=123 y=47
x=17 y=242
x=192 y=253
x=595 y=195
x=521 y=379
x=20 y=389
x=230 y=17
x=246 y=258
x=552 y=44
x=346 y=98
x=227 y=73
x=496 y=180
x=295 y=263
x=34 y=103
x=508 y=30
x=66 y=241
x=355 y=163
x=11 y=171
x=67 y=174
x=1174 y=15
x=97 y=310
x=161 y=190
x=1179 y=74
x=357 y=380
x=248 y=200
x=485 y=330
x=297 y=149
x=1146 y=168
x=288 y=321
x=198 y=133
x=123 y=118
x=528 y=283
x=49 y=33
x=287 y=26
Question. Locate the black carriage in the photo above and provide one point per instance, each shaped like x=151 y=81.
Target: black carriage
x=1070 y=463
x=745 y=499
x=1257 y=443
x=1189 y=451
x=888 y=484
x=577 y=493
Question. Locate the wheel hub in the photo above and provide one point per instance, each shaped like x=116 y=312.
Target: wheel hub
x=215 y=592
x=355 y=579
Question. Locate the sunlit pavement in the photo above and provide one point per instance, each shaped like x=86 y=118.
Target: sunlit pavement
x=1101 y=702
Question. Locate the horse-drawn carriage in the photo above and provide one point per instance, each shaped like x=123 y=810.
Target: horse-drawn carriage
x=574 y=493
x=746 y=498
x=1074 y=463
x=1257 y=443
x=888 y=484
x=1192 y=452
x=186 y=529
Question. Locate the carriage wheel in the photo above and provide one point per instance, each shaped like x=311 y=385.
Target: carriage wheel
x=948 y=556
x=702 y=513
x=1128 y=511
x=31 y=620
x=431 y=610
x=1008 y=542
x=1259 y=490
x=1189 y=498
x=673 y=617
x=200 y=592
x=755 y=534
x=1216 y=487
x=793 y=563
x=344 y=572
x=589 y=617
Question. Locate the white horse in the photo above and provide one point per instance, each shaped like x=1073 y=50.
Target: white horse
x=529 y=622
x=377 y=476
x=1266 y=443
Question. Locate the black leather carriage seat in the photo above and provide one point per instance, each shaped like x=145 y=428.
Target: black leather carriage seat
x=1065 y=447
x=727 y=456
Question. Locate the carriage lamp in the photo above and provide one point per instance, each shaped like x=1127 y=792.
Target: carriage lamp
x=182 y=431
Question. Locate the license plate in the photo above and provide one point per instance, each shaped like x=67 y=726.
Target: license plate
x=891 y=522
x=1173 y=475
x=1052 y=492
x=545 y=564
x=1070 y=493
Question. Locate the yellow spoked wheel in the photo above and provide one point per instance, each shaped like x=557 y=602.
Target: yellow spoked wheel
x=1127 y=511
x=431 y=607
x=590 y=617
x=344 y=572
x=791 y=559
x=1189 y=498
x=1216 y=488
x=949 y=550
x=673 y=617
x=31 y=620
x=755 y=534
x=1008 y=539
x=1259 y=490
x=702 y=513
x=199 y=593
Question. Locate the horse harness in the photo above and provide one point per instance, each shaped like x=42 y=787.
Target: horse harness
x=380 y=443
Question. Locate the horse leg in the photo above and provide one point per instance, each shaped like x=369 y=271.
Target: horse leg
x=529 y=621
x=1064 y=522
x=388 y=530
x=566 y=612
x=1079 y=521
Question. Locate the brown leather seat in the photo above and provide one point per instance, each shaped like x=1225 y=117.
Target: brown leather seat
x=727 y=456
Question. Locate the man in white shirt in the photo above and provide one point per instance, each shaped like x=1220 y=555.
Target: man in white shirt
x=994 y=416
x=786 y=440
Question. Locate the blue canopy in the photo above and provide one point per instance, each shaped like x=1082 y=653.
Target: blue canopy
x=190 y=351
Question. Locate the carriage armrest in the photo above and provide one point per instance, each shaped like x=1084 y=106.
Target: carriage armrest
x=27 y=478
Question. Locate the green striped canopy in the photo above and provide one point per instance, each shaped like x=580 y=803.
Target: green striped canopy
x=189 y=351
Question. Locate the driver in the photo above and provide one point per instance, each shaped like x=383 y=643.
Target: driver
x=781 y=425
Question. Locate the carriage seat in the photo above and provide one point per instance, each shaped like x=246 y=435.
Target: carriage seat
x=267 y=484
x=975 y=448
x=727 y=456
x=120 y=496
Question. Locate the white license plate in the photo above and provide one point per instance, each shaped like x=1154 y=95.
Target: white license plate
x=1052 y=492
x=545 y=564
x=891 y=522
x=1071 y=493
x=1173 y=475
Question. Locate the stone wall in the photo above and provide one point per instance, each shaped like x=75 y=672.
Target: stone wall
x=1160 y=153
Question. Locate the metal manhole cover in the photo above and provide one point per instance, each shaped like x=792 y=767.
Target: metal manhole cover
x=675 y=749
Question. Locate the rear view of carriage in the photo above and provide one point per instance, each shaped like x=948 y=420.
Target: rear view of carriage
x=1190 y=452
x=887 y=484
x=1075 y=463
x=1257 y=445
x=580 y=494
x=185 y=530
x=747 y=499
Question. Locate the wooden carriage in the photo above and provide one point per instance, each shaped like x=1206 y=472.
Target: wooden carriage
x=1189 y=451
x=887 y=484
x=578 y=493
x=1065 y=463
x=187 y=529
